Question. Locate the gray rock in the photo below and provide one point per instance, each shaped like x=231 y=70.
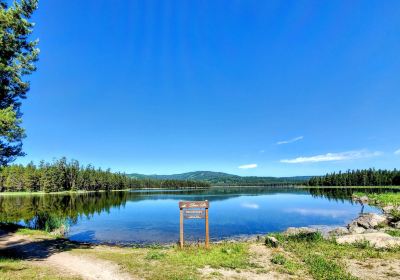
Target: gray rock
x=271 y=241
x=396 y=225
x=339 y=231
x=304 y=230
x=362 y=199
x=387 y=209
x=370 y=220
x=354 y=228
x=376 y=239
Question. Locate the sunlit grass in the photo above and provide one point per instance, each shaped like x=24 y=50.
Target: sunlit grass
x=382 y=198
x=325 y=259
x=174 y=263
x=12 y=269
x=35 y=233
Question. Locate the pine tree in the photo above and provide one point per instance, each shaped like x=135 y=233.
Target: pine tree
x=31 y=179
x=17 y=57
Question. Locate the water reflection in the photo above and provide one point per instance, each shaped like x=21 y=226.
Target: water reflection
x=152 y=215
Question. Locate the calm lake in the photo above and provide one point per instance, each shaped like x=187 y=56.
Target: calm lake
x=152 y=216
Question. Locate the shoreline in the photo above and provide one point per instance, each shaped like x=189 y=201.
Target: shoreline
x=183 y=189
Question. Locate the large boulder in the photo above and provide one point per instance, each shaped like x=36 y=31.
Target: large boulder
x=271 y=241
x=300 y=230
x=361 y=199
x=369 y=221
x=388 y=209
x=396 y=225
x=375 y=239
x=339 y=231
x=353 y=227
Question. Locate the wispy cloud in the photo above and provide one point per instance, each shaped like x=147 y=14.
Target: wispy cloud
x=250 y=205
x=262 y=151
x=397 y=152
x=334 y=157
x=290 y=141
x=248 y=166
x=318 y=212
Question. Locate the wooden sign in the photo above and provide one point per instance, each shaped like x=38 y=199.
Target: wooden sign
x=193 y=204
x=194 y=214
x=193 y=210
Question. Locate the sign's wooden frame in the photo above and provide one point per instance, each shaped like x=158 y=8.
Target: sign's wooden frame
x=193 y=210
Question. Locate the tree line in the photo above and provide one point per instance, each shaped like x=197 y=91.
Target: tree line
x=49 y=212
x=365 y=177
x=62 y=175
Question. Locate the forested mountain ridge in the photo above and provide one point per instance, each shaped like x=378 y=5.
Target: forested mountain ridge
x=225 y=179
x=62 y=175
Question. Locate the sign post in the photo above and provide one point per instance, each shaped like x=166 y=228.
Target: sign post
x=193 y=210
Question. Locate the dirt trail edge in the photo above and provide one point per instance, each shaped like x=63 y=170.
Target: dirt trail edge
x=54 y=253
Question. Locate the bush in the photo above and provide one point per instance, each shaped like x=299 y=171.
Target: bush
x=306 y=236
x=155 y=255
x=278 y=259
x=362 y=244
x=395 y=215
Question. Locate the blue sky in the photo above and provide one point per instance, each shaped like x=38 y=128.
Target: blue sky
x=278 y=88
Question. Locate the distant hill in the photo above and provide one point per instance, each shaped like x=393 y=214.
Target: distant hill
x=225 y=179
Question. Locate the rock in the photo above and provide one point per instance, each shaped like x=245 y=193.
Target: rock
x=303 y=230
x=271 y=241
x=384 y=229
x=354 y=228
x=339 y=231
x=303 y=233
x=387 y=209
x=362 y=199
x=370 y=220
x=59 y=231
x=396 y=225
x=376 y=239
x=370 y=230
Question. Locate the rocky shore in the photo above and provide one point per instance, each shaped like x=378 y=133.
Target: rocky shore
x=368 y=228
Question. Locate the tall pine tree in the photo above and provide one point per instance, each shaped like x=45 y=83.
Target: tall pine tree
x=18 y=54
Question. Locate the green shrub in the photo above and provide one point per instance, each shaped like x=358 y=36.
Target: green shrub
x=278 y=259
x=362 y=244
x=393 y=232
x=306 y=236
x=155 y=255
x=322 y=268
x=395 y=214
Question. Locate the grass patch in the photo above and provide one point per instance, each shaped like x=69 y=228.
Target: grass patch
x=393 y=232
x=395 y=215
x=11 y=269
x=362 y=244
x=34 y=233
x=323 y=268
x=155 y=255
x=226 y=255
x=286 y=264
x=325 y=259
x=278 y=259
x=382 y=198
x=173 y=263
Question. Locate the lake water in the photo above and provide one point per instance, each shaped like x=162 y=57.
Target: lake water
x=153 y=216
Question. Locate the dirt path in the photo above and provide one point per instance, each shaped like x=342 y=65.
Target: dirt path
x=87 y=267
x=54 y=253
